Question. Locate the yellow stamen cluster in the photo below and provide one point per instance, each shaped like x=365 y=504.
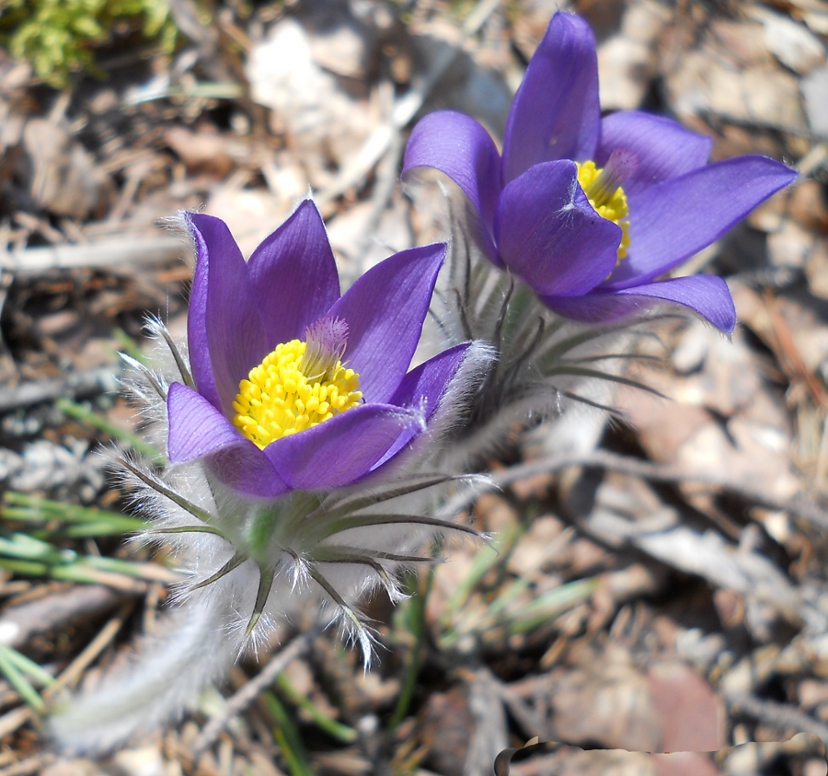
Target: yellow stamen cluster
x=609 y=201
x=277 y=399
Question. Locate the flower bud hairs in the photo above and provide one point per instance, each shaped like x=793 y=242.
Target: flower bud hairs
x=296 y=439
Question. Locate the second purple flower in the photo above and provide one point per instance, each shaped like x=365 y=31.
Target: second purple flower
x=590 y=211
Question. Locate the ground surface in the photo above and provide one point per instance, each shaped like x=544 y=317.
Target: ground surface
x=666 y=592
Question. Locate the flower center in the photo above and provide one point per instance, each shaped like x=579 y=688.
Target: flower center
x=601 y=185
x=297 y=386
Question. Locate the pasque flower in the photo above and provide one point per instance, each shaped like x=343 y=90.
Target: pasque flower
x=591 y=211
x=294 y=386
x=296 y=436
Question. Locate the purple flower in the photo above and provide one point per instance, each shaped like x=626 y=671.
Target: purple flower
x=589 y=211
x=294 y=386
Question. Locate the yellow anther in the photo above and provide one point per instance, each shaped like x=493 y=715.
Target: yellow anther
x=608 y=199
x=277 y=399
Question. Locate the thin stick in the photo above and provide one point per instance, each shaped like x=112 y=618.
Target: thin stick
x=14 y=719
x=34 y=764
x=76 y=668
x=90 y=382
x=139 y=251
x=10 y=722
x=247 y=694
x=777 y=714
x=404 y=110
x=603 y=459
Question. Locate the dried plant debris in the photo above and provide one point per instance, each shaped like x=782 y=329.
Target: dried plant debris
x=802 y=754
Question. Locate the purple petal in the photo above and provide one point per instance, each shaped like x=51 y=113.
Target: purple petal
x=679 y=217
x=458 y=146
x=343 y=449
x=234 y=330
x=199 y=430
x=550 y=235
x=220 y=237
x=292 y=276
x=660 y=149
x=424 y=386
x=707 y=295
x=555 y=113
x=247 y=469
x=385 y=310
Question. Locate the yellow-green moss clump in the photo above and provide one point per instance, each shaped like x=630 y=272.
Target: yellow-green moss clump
x=58 y=36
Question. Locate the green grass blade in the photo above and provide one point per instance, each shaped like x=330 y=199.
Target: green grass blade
x=19 y=682
x=484 y=559
x=111 y=527
x=332 y=727
x=413 y=616
x=93 y=530
x=30 y=568
x=507 y=596
x=553 y=603
x=27 y=666
x=287 y=737
x=25 y=554
x=139 y=444
x=130 y=347
x=91 y=521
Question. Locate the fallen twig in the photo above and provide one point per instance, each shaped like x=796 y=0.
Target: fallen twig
x=604 y=459
x=778 y=714
x=247 y=694
x=29 y=765
x=55 y=610
x=75 y=669
x=78 y=385
x=10 y=722
x=404 y=110
x=103 y=253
